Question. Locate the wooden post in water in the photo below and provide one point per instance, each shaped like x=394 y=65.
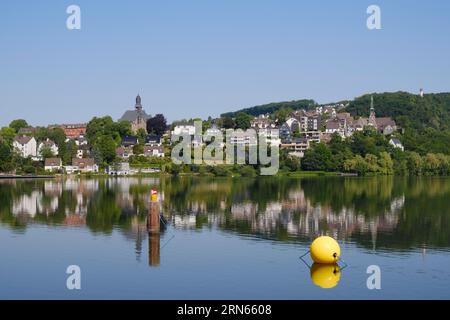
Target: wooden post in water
x=154 y=231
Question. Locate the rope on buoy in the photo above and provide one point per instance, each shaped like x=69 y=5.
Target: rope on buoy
x=324 y=250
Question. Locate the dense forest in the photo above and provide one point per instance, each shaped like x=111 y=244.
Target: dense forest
x=425 y=121
x=273 y=107
x=408 y=110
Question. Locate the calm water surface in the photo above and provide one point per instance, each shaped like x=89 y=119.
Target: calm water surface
x=223 y=238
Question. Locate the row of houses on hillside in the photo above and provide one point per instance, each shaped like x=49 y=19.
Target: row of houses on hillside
x=345 y=125
x=86 y=165
x=27 y=147
x=152 y=147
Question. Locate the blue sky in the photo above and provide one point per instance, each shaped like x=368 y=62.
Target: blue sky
x=198 y=58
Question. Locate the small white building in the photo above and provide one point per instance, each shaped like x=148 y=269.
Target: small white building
x=120 y=169
x=396 y=144
x=80 y=154
x=53 y=164
x=50 y=145
x=82 y=165
x=25 y=146
x=154 y=151
x=183 y=130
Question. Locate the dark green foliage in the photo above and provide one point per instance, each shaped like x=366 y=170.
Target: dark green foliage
x=273 y=107
x=243 y=121
x=157 y=125
x=409 y=110
x=104 y=135
x=18 y=124
x=318 y=158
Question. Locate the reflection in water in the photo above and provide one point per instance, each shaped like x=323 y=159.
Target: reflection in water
x=385 y=213
x=326 y=276
x=154 y=229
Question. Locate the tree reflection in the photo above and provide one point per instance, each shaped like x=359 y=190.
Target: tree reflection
x=376 y=213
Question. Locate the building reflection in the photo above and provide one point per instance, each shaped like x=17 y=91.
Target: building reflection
x=286 y=210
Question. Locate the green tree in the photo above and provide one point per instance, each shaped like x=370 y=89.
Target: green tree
x=243 y=121
x=372 y=163
x=105 y=150
x=138 y=149
x=414 y=163
x=358 y=165
x=58 y=136
x=68 y=152
x=292 y=163
x=385 y=163
x=431 y=164
x=227 y=123
x=18 y=124
x=247 y=171
x=157 y=125
x=46 y=152
x=141 y=135
x=282 y=114
x=5 y=157
x=7 y=134
x=319 y=157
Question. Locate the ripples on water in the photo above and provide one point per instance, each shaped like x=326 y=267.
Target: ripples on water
x=389 y=218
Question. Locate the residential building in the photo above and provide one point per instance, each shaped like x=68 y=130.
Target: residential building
x=80 y=154
x=84 y=165
x=29 y=131
x=129 y=141
x=153 y=151
x=384 y=125
x=272 y=135
x=124 y=152
x=120 y=169
x=396 y=144
x=137 y=117
x=25 y=146
x=72 y=131
x=301 y=121
x=50 y=145
x=262 y=122
x=332 y=126
x=313 y=123
x=81 y=141
x=153 y=140
x=297 y=146
x=243 y=137
x=52 y=164
x=181 y=130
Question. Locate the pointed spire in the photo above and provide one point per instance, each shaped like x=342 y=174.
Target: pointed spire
x=138 y=105
x=372 y=116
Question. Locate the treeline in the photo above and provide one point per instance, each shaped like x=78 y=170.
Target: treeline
x=11 y=162
x=369 y=153
x=408 y=110
x=307 y=104
x=425 y=121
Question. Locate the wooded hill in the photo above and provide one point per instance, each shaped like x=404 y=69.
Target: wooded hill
x=408 y=110
x=273 y=107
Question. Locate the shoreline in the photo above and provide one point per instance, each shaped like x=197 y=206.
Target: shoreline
x=25 y=177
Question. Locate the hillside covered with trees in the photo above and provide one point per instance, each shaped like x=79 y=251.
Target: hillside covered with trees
x=306 y=104
x=425 y=121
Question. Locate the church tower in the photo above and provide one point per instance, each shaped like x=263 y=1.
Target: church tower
x=138 y=105
x=137 y=117
x=372 y=117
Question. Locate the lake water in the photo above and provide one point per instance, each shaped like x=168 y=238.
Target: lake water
x=223 y=238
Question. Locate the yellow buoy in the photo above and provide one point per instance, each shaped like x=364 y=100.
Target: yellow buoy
x=326 y=276
x=154 y=195
x=325 y=250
